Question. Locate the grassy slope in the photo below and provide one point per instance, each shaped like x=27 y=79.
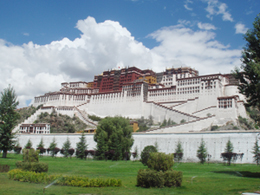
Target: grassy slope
x=198 y=179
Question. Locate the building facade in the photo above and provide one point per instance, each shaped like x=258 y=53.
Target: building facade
x=179 y=94
x=43 y=128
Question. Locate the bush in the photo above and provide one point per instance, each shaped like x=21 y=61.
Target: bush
x=172 y=178
x=146 y=153
x=41 y=150
x=30 y=155
x=33 y=177
x=37 y=167
x=147 y=178
x=26 y=176
x=150 y=178
x=31 y=162
x=160 y=161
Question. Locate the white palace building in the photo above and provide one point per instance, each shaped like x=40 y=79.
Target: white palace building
x=179 y=94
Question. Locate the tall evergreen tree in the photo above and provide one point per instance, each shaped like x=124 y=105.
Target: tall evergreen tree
x=66 y=146
x=229 y=151
x=52 y=147
x=81 y=147
x=40 y=145
x=249 y=73
x=8 y=117
x=202 y=152
x=229 y=147
x=28 y=145
x=256 y=152
x=179 y=151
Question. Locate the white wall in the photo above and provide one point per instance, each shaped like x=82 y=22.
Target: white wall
x=243 y=142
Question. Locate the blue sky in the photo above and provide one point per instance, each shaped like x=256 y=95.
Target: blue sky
x=44 y=43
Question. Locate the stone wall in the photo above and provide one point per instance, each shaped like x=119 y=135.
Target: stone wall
x=243 y=142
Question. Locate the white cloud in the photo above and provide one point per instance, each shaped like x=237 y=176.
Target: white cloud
x=37 y=69
x=26 y=34
x=217 y=8
x=206 y=26
x=186 y=5
x=197 y=49
x=240 y=28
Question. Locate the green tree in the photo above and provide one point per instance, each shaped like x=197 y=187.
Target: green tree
x=28 y=144
x=249 y=72
x=229 y=147
x=114 y=133
x=146 y=153
x=8 y=117
x=256 y=152
x=81 y=147
x=66 y=146
x=40 y=145
x=52 y=147
x=229 y=152
x=202 y=152
x=179 y=151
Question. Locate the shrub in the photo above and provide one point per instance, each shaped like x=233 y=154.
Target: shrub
x=172 y=178
x=160 y=161
x=41 y=150
x=30 y=155
x=37 y=167
x=31 y=161
x=150 y=178
x=146 y=153
x=147 y=178
x=27 y=176
x=33 y=177
x=71 y=151
x=214 y=127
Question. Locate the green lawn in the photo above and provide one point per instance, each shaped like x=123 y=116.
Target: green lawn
x=197 y=179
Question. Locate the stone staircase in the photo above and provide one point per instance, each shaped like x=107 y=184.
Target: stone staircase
x=190 y=126
x=176 y=111
x=84 y=117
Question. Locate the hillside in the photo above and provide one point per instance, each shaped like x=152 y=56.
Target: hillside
x=61 y=123
x=25 y=113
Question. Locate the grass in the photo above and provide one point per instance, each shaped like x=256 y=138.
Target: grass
x=197 y=179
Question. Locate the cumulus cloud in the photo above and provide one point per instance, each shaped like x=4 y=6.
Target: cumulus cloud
x=206 y=26
x=240 y=28
x=217 y=8
x=37 y=69
x=197 y=49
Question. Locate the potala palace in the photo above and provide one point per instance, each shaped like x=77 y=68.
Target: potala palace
x=179 y=94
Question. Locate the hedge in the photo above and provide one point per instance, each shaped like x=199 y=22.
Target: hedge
x=32 y=166
x=147 y=178
x=28 y=176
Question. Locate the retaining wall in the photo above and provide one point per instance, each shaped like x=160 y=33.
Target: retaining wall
x=243 y=142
